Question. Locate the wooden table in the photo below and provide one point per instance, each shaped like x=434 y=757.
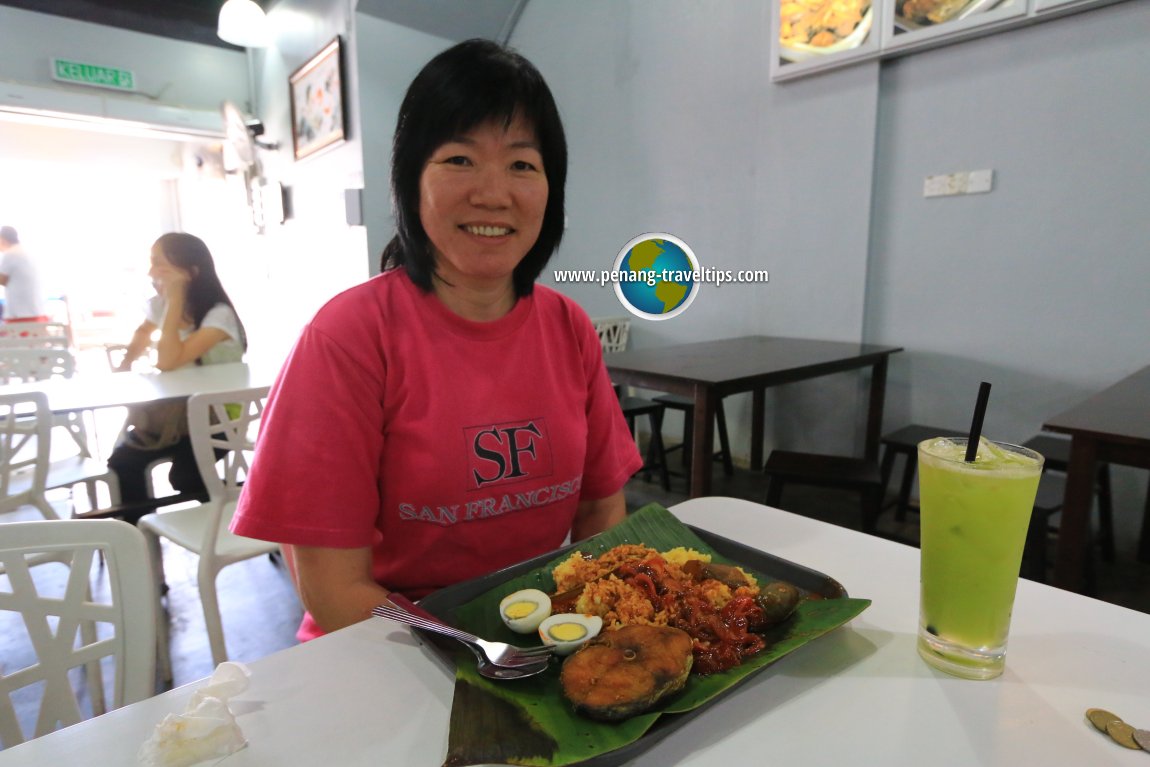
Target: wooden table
x=711 y=370
x=1111 y=426
x=372 y=696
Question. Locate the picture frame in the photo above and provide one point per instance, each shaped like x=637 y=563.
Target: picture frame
x=318 y=103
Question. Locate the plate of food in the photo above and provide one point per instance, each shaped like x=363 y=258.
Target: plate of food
x=812 y=28
x=686 y=615
x=917 y=14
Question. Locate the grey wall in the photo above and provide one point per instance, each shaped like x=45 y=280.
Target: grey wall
x=673 y=126
x=1039 y=286
x=389 y=57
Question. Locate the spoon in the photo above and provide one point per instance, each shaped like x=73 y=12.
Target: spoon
x=491 y=671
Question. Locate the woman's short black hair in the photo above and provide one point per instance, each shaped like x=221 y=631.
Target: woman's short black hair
x=469 y=84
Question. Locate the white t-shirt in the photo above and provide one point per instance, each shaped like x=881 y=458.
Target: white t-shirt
x=220 y=316
x=22 y=295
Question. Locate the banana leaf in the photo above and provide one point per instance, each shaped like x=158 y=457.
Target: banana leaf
x=529 y=722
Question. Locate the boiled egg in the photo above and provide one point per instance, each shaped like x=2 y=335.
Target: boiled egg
x=567 y=632
x=524 y=610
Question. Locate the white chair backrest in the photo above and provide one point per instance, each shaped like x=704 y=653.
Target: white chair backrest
x=35 y=335
x=68 y=626
x=228 y=422
x=18 y=365
x=25 y=451
x=613 y=333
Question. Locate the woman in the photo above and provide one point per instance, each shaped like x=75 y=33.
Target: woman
x=198 y=325
x=448 y=417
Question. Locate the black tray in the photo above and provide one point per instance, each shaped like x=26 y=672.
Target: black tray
x=444 y=602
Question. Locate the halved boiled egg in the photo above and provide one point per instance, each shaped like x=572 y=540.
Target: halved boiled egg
x=524 y=610
x=567 y=632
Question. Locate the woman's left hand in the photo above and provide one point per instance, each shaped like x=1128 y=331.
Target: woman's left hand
x=170 y=279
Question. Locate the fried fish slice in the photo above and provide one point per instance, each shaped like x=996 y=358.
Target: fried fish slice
x=623 y=673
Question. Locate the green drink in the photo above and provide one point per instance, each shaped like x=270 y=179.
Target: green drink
x=974 y=518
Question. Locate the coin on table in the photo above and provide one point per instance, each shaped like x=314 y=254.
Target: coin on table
x=1122 y=734
x=1142 y=738
x=1100 y=717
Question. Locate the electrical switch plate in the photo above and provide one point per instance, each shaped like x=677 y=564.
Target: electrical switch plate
x=967 y=182
x=979 y=181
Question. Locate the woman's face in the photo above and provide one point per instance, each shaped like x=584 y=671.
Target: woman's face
x=481 y=201
x=164 y=273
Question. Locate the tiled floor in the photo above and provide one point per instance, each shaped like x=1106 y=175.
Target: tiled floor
x=260 y=609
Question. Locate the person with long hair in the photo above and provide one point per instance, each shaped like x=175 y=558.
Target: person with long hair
x=449 y=416
x=198 y=325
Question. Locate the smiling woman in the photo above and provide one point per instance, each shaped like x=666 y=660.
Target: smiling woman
x=482 y=198
x=466 y=418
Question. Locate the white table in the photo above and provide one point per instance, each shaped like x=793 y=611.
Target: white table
x=369 y=695
x=95 y=391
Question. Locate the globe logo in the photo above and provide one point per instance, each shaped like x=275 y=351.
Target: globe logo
x=657 y=276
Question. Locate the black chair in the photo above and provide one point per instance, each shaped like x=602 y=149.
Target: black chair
x=904 y=442
x=1056 y=451
x=853 y=474
x=656 y=459
x=687 y=406
x=1047 y=502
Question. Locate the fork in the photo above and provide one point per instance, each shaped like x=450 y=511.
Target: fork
x=496 y=653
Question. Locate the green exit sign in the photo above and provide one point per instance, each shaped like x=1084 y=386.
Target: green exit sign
x=93 y=75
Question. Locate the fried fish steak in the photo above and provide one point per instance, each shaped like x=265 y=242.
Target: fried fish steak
x=628 y=671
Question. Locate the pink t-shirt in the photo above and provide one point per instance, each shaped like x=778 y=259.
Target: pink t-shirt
x=452 y=448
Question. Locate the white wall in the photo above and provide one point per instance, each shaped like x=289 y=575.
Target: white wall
x=314 y=254
x=673 y=126
x=169 y=73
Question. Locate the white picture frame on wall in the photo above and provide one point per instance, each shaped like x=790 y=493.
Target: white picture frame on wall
x=791 y=57
x=973 y=18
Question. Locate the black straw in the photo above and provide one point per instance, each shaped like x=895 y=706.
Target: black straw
x=976 y=423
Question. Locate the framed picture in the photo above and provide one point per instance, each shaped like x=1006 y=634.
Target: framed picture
x=317 y=102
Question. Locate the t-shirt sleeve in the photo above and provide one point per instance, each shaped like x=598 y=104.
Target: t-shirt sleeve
x=314 y=479
x=222 y=317
x=612 y=455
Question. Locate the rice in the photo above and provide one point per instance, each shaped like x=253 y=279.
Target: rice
x=580 y=568
x=681 y=554
x=619 y=603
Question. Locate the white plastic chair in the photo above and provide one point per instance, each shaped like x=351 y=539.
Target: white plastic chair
x=26 y=469
x=613 y=332
x=25 y=452
x=20 y=364
x=220 y=421
x=36 y=335
x=68 y=628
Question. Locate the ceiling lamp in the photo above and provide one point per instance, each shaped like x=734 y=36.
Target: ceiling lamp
x=244 y=23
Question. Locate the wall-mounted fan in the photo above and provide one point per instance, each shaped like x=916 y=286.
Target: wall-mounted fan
x=243 y=138
x=241 y=156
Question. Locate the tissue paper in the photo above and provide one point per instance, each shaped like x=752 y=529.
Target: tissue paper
x=207 y=728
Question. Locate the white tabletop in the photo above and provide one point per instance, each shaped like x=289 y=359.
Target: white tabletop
x=369 y=695
x=99 y=390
